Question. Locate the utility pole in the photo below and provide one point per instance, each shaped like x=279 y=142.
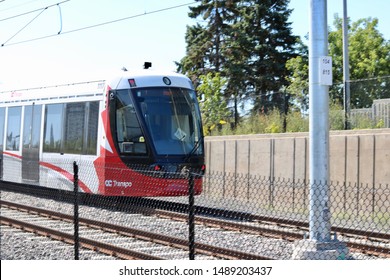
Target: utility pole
x=319 y=121
x=319 y=245
x=347 y=91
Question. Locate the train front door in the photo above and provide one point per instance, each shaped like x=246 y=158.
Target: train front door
x=31 y=143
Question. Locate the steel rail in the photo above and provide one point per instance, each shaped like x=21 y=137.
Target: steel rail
x=159 y=206
x=200 y=248
x=286 y=235
x=105 y=248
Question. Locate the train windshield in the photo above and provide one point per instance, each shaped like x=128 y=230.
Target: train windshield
x=172 y=118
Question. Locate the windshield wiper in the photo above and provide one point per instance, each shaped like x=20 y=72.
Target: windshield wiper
x=194 y=149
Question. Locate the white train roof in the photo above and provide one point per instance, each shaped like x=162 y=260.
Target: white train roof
x=149 y=78
x=89 y=90
x=51 y=94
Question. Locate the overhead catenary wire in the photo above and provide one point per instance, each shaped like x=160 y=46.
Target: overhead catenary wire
x=98 y=25
x=59 y=10
x=13 y=36
x=41 y=11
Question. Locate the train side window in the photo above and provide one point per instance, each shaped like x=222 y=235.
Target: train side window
x=90 y=141
x=13 y=128
x=53 y=128
x=130 y=137
x=27 y=125
x=71 y=128
x=81 y=127
x=32 y=126
x=74 y=128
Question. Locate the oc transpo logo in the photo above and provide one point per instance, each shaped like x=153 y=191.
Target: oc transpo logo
x=115 y=183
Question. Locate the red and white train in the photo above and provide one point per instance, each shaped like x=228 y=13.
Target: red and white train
x=138 y=134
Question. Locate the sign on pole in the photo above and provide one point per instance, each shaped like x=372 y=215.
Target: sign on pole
x=326 y=71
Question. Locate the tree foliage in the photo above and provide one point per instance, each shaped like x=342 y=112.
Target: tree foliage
x=299 y=78
x=212 y=104
x=271 y=42
x=248 y=42
x=369 y=59
x=243 y=52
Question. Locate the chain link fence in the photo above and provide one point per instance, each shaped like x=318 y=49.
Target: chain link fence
x=369 y=103
x=240 y=216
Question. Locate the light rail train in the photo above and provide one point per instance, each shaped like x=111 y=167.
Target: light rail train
x=138 y=134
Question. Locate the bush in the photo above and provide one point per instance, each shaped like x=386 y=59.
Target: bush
x=295 y=122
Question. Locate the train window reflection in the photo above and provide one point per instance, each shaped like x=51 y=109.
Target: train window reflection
x=129 y=134
x=13 y=128
x=71 y=128
x=74 y=128
x=92 y=132
x=32 y=126
x=53 y=128
x=172 y=119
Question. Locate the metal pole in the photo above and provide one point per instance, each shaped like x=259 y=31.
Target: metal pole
x=320 y=246
x=191 y=216
x=76 y=210
x=347 y=91
x=319 y=124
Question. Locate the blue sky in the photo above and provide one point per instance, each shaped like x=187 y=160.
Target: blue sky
x=98 y=52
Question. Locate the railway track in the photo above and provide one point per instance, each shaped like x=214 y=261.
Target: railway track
x=377 y=244
x=366 y=242
x=113 y=232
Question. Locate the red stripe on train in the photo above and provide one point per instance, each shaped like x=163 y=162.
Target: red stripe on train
x=63 y=172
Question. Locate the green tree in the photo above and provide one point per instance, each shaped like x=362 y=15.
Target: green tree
x=198 y=41
x=248 y=42
x=237 y=51
x=369 y=59
x=299 y=79
x=205 y=43
x=213 y=105
x=265 y=23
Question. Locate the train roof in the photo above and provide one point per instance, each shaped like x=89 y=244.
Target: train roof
x=54 y=93
x=149 y=78
x=91 y=89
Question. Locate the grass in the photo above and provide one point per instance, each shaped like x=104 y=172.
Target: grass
x=295 y=121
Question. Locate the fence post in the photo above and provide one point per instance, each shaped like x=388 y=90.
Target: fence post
x=271 y=192
x=76 y=210
x=191 y=216
x=373 y=197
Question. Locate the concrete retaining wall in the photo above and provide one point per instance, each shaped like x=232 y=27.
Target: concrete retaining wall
x=356 y=157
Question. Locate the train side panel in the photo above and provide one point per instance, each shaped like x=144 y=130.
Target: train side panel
x=43 y=131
